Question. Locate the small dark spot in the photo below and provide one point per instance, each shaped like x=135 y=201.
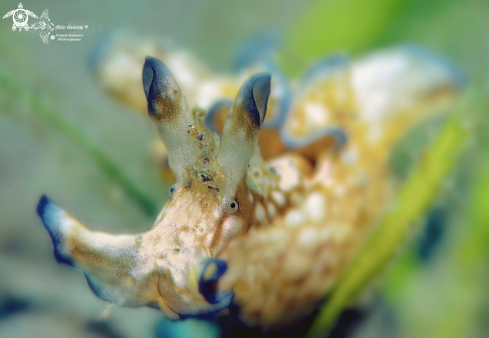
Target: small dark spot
x=188 y=131
x=233 y=205
x=211 y=187
x=201 y=136
x=175 y=91
x=176 y=250
x=206 y=160
x=206 y=175
x=191 y=126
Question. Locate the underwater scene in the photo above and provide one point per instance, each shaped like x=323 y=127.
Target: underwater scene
x=237 y=169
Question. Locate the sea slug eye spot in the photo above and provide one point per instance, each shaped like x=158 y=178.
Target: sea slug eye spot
x=232 y=207
x=172 y=190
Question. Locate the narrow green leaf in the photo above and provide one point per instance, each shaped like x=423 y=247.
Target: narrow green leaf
x=413 y=200
x=76 y=135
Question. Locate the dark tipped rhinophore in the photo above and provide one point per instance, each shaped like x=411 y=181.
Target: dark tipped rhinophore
x=154 y=75
x=159 y=86
x=240 y=132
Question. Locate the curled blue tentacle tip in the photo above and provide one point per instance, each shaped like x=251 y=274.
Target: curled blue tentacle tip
x=211 y=271
x=51 y=216
x=209 y=119
x=48 y=211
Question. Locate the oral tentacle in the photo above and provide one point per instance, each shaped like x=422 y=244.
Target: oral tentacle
x=212 y=271
x=112 y=264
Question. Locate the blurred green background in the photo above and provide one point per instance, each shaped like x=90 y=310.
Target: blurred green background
x=54 y=120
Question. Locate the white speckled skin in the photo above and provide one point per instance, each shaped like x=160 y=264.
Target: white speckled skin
x=286 y=227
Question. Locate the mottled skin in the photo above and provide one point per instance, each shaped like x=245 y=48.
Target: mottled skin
x=283 y=229
x=319 y=215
